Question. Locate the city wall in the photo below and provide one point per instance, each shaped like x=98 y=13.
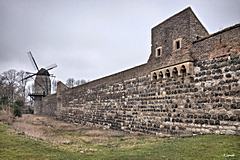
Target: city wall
x=207 y=100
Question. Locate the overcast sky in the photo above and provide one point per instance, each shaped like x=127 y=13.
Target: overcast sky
x=93 y=38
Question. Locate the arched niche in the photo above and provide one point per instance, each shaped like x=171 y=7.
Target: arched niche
x=183 y=71
x=167 y=74
x=175 y=73
x=160 y=75
x=154 y=76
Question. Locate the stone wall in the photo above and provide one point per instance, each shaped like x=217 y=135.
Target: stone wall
x=203 y=99
x=49 y=105
x=217 y=44
x=210 y=103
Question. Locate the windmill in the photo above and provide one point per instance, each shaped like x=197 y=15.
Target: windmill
x=42 y=83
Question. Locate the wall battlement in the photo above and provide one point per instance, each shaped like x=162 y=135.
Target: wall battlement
x=190 y=84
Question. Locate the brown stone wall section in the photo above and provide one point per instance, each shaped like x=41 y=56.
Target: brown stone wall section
x=49 y=105
x=197 y=30
x=218 y=44
x=209 y=104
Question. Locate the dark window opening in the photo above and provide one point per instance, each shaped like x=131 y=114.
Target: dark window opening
x=158 y=51
x=175 y=73
x=154 y=76
x=178 y=45
x=167 y=74
x=160 y=76
x=183 y=71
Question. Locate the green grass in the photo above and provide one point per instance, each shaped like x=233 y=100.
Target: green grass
x=207 y=147
x=18 y=147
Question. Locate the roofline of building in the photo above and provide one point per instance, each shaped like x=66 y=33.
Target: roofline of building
x=111 y=75
x=198 y=20
x=188 y=8
x=219 y=32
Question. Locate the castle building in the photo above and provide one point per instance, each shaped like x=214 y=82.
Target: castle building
x=190 y=84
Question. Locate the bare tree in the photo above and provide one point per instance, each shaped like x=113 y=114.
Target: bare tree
x=21 y=88
x=12 y=87
x=70 y=82
x=83 y=81
x=10 y=83
x=79 y=82
x=2 y=89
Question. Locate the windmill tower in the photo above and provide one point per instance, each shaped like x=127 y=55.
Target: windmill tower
x=42 y=83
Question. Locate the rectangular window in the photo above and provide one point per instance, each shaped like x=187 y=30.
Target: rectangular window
x=158 y=51
x=177 y=44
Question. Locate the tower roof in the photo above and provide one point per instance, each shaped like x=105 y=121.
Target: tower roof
x=187 y=11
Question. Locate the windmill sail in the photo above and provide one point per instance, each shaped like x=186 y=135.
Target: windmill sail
x=32 y=60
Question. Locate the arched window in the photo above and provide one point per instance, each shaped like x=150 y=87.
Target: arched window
x=154 y=76
x=175 y=73
x=167 y=74
x=183 y=71
x=160 y=75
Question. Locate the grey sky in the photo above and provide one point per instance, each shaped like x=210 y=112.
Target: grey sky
x=93 y=38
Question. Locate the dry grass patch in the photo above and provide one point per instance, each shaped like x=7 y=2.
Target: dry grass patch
x=68 y=141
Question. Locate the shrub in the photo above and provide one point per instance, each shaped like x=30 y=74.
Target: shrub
x=17 y=105
x=17 y=111
x=4 y=100
x=30 y=111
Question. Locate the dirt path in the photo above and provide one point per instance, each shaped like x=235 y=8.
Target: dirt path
x=75 y=138
x=58 y=132
x=69 y=136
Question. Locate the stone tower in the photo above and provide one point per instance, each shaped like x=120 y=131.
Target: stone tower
x=171 y=42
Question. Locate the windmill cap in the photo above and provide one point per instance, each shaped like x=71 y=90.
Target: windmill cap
x=43 y=72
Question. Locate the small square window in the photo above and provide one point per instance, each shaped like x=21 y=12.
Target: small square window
x=158 y=51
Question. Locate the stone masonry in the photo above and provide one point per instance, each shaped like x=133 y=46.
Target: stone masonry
x=189 y=85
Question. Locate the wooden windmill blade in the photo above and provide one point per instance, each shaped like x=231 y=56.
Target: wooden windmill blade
x=29 y=76
x=51 y=67
x=29 y=73
x=34 y=63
